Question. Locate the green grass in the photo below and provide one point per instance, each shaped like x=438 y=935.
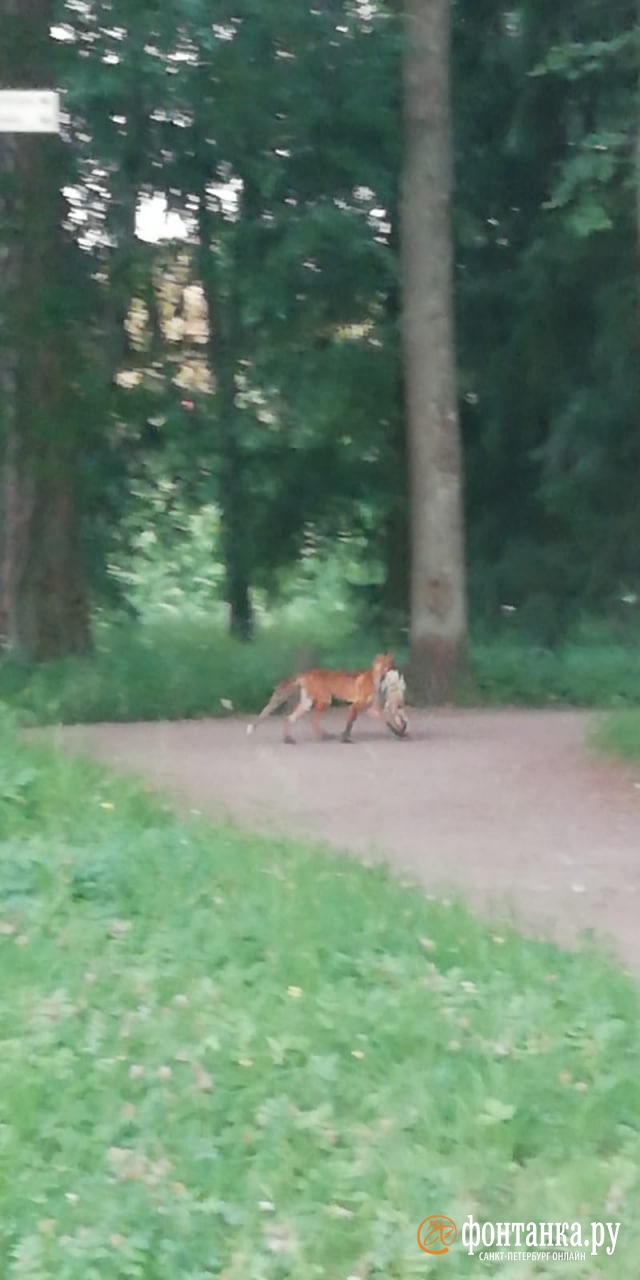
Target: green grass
x=237 y=1058
x=184 y=665
x=619 y=734
x=579 y=672
x=167 y=668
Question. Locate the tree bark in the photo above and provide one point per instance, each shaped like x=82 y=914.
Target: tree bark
x=396 y=548
x=43 y=601
x=234 y=534
x=637 y=173
x=438 y=590
x=222 y=333
x=396 y=545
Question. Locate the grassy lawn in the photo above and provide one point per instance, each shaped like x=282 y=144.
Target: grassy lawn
x=225 y=1056
x=175 y=666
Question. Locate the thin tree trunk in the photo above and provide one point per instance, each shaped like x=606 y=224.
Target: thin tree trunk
x=43 y=603
x=235 y=548
x=396 y=545
x=222 y=353
x=438 y=593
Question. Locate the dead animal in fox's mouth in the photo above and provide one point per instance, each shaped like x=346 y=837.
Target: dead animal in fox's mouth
x=391 y=699
x=317 y=689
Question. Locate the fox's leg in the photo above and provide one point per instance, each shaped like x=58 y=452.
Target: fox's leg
x=351 y=719
x=319 y=707
x=305 y=703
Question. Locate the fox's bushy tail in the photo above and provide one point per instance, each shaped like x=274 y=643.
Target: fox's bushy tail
x=279 y=696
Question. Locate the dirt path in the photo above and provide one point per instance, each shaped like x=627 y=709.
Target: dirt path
x=508 y=807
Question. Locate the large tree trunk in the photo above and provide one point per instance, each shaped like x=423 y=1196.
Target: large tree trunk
x=438 y=594
x=395 y=531
x=637 y=174
x=9 y=271
x=43 y=602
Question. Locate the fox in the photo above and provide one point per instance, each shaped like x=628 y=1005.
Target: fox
x=316 y=689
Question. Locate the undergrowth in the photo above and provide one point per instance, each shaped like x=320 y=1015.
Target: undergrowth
x=172 y=665
x=619 y=734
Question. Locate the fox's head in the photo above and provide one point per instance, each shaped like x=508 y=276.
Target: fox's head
x=381 y=664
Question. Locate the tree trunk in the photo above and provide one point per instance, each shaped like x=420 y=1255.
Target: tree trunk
x=395 y=531
x=45 y=606
x=438 y=593
x=222 y=330
x=234 y=539
x=396 y=545
x=9 y=271
x=43 y=603
x=637 y=174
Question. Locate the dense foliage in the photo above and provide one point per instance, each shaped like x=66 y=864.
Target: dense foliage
x=251 y=364
x=548 y=304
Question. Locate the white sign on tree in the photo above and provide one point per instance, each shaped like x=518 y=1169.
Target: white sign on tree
x=29 y=111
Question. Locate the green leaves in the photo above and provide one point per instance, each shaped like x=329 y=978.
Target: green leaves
x=294 y=110
x=583 y=191
x=547 y=305
x=276 y=122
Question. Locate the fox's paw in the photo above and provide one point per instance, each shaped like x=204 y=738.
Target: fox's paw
x=250 y=728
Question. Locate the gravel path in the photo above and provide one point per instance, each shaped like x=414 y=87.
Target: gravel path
x=507 y=807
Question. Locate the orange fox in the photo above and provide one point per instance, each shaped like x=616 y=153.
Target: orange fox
x=318 y=688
